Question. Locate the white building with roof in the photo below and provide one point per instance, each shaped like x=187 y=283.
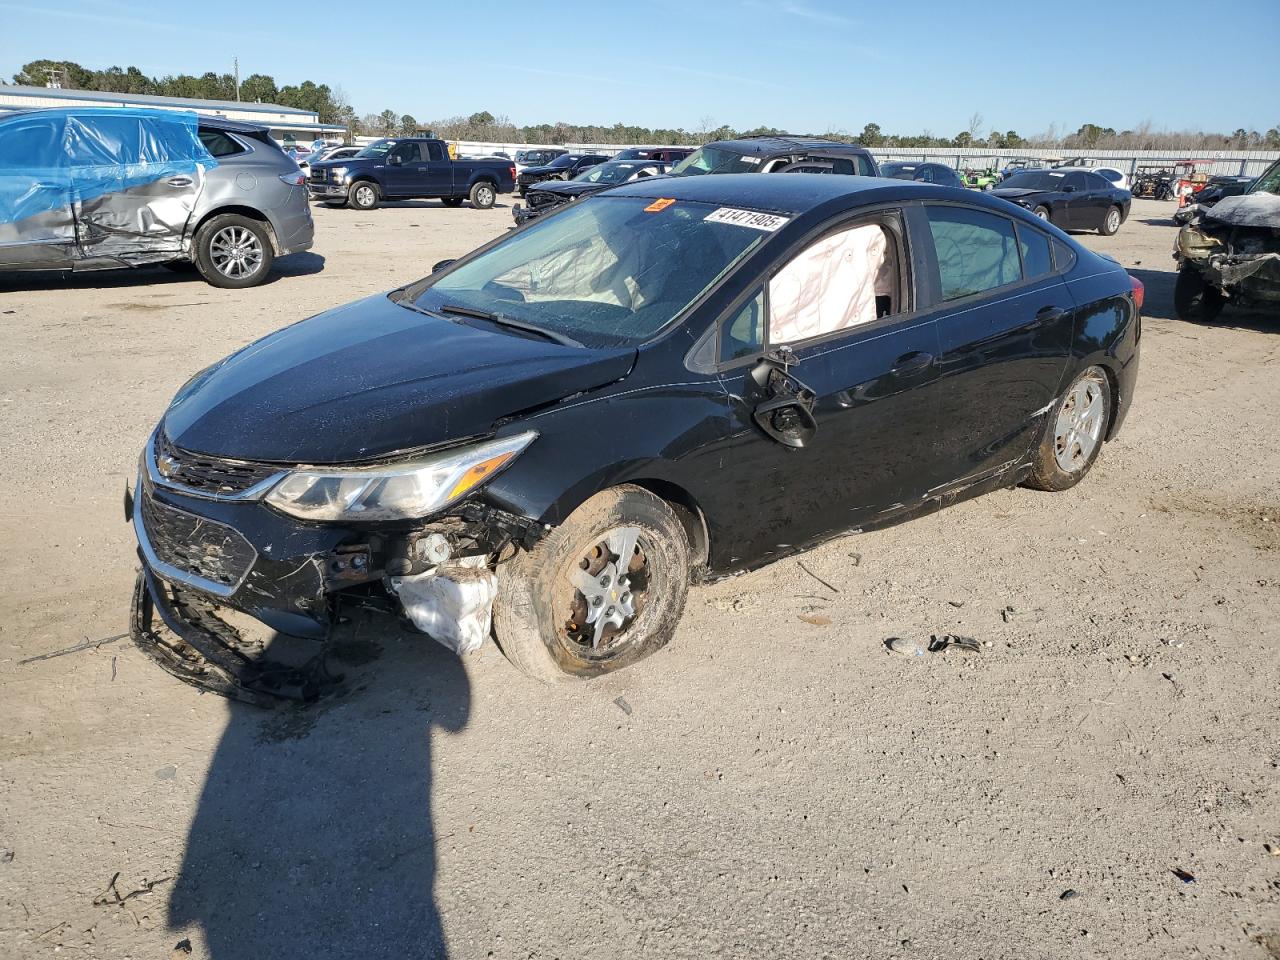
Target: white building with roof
x=287 y=124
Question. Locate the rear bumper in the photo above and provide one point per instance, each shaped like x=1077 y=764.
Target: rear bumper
x=294 y=228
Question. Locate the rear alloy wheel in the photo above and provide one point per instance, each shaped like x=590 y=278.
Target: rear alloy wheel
x=1111 y=222
x=483 y=196
x=1041 y=212
x=233 y=251
x=1073 y=433
x=604 y=589
x=1194 y=299
x=363 y=195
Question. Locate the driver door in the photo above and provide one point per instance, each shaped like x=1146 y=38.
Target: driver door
x=831 y=381
x=404 y=167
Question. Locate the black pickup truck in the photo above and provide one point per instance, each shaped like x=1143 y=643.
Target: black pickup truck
x=400 y=168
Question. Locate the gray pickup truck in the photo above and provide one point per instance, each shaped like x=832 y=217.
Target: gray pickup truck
x=401 y=168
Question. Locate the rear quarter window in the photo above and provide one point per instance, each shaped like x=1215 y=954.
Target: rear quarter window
x=219 y=143
x=1037 y=258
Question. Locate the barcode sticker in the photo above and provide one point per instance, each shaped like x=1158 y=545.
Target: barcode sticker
x=768 y=222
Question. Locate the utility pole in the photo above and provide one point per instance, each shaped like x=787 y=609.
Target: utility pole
x=236 y=61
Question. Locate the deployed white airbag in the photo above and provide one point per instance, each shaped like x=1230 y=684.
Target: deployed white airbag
x=452 y=604
x=830 y=286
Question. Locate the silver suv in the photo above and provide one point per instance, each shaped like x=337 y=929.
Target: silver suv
x=97 y=188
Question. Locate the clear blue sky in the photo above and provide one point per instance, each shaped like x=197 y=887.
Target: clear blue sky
x=802 y=65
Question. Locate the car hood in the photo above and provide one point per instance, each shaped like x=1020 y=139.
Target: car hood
x=567 y=188
x=544 y=168
x=1017 y=193
x=371 y=378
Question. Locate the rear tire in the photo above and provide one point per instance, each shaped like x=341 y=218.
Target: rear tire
x=363 y=195
x=1111 y=222
x=1074 y=432
x=541 y=615
x=233 y=251
x=1194 y=299
x=483 y=195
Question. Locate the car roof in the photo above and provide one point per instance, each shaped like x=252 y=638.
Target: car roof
x=793 y=194
x=761 y=146
x=205 y=120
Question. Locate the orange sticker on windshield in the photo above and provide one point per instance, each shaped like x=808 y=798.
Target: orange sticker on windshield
x=659 y=205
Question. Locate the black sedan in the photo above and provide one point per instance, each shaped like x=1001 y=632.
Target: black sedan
x=1070 y=199
x=552 y=194
x=666 y=383
x=938 y=173
x=563 y=167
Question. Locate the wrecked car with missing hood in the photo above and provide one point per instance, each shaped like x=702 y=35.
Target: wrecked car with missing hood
x=1230 y=252
x=666 y=383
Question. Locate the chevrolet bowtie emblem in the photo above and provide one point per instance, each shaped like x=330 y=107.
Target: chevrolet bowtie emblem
x=167 y=466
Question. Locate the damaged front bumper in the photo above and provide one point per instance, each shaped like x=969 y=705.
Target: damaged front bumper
x=204 y=549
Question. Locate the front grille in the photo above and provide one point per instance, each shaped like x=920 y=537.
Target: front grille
x=206 y=474
x=318 y=176
x=195 y=545
x=541 y=198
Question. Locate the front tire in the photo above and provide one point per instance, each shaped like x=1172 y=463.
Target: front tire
x=601 y=591
x=1194 y=299
x=1074 y=433
x=1042 y=212
x=1111 y=222
x=363 y=195
x=483 y=195
x=233 y=251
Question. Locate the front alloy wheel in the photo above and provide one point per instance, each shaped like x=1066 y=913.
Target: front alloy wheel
x=601 y=591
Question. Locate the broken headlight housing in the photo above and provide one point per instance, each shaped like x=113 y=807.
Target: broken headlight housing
x=394 y=491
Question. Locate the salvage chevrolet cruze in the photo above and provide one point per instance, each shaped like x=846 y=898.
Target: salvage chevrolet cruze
x=669 y=382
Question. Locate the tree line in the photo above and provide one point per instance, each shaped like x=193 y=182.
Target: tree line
x=332 y=107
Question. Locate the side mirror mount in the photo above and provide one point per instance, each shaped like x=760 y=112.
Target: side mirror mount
x=1068 y=189
x=440 y=265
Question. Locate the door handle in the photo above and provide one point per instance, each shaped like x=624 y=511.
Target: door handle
x=1047 y=315
x=179 y=181
x=912 y=362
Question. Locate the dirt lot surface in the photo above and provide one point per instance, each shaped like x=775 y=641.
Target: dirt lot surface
x=768 y=786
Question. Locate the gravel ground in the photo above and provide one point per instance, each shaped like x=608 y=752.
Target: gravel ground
x=769 y=785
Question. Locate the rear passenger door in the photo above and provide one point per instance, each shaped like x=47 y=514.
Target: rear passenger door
x=1005 y=327
x=137 y=182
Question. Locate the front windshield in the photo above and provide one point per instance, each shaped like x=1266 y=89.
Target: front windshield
x=376 y=149
x=1269 y=182
x=609 y=173
x=605 y=271
x=1034 y=180
x=898 y=171
x=564 y=160
x=710 y=159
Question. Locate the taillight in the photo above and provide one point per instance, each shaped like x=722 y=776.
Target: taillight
x=513 y=171
x=1139 y=291
x=295 y=179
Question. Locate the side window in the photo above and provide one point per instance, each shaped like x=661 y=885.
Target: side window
x=407 y=152
x=1077 y=180
x=925 y=174
x=32 y=144
x=95 y=141
x=843 y=165
x=219 y=143
x=864 y=167
x=435 y=151
x=1036 y=259
x=846 y=279
x=743 y=334
x=1098 y=182
x=976 y=251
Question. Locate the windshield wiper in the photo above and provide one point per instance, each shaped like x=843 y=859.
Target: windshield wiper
x=504 y=321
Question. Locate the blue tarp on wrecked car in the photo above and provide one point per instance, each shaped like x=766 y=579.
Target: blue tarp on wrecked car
x=59 y=170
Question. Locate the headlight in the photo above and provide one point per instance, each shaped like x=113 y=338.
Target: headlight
x=395 y=491
x=339 y=172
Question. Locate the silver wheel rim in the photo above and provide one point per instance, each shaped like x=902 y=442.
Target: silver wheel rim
x=364 y=196
x=607 y=592
x=236 y=252
x=485 y=196
x=1113 y=221
x=1079 y=427
x=1042 y=214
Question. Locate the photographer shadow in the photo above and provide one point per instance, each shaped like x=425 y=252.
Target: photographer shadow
x=314 y=834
